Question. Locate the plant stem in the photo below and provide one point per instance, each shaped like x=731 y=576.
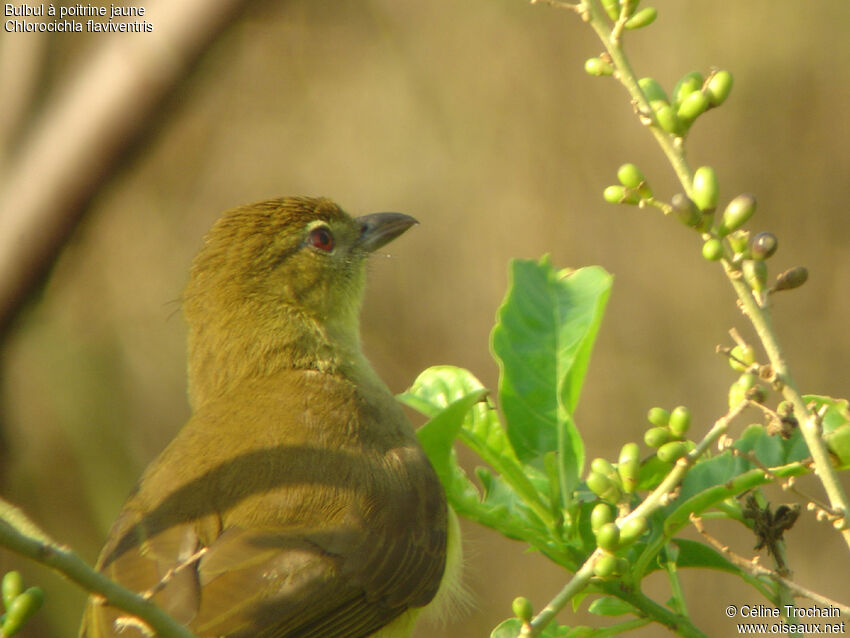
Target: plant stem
x=759 y=316
x=809 y=426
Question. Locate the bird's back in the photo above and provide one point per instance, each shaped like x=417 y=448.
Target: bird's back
x=299 y=504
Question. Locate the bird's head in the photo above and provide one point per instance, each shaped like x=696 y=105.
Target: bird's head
x=279 y=284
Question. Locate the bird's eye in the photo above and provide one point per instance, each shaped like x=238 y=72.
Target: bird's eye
x=322 y=239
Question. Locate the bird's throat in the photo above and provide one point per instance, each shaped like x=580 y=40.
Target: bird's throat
x=221 y=356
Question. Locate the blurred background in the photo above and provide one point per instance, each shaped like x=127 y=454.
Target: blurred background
x=477 y=118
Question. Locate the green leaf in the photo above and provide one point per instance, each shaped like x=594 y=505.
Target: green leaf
x=438 y=435
x=516 y=503
x=837 y=413
x=610 y=606
x=772 y=450
x=696 y=554
x=542 y=341
x=511 y=628
x=836 y=425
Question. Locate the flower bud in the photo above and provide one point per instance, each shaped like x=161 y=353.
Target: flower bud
x=633 y=529
x=21 y=609
x=658 y=416
x=690 y=83
x=642 y=18
x=599 y=515
x=685 y=210
x=680 y=421
x=712 y=249
x=791 y=278
x=738 y=240
x=599 y=484
x=742 y=357
x=667 y=118
x=616 y=194
x=657 y=436
x=12 y=587
x=652 y=90
x=598 y=66
x=718 y=88
x=612 y=8
x=692 y=107
x=608 y=537
x=737 y=212
x=628 y=467
x=755 y=274
x=605 y=566
x=705 y=188
x=630 y=176
x=522 y=609
x=739 y=390
x=764 y=245
x=673 y=451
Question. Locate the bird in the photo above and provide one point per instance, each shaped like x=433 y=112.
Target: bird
x=296 y=501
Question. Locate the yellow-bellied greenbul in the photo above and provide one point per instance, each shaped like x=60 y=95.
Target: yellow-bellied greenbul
x=297 y=501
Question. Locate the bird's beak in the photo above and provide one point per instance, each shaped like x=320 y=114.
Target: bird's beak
x=379 y=229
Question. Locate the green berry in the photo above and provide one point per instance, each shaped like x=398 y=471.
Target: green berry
x=522 y=608
x=616 y=194
x=791 y=278
x=642 y=18
x=755 y=274
x=600 y=514
x=598 y=66
x=764 y=245
x=633 y=529
x=11 y=587
x=705 y=188
x=742 y=357
x=672 y=451
x=737 y=212
x=21 y=609
x=608 y=537
x=680 y=421
x=712 y=249
x=652 y=90
x=690 y=83
x=718 y=88
x=656 y=437
x=605 y=566
x=692 y=107
x=685 y=210
x=658 y=416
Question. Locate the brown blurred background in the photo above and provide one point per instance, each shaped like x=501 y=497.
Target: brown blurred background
x=477 y=118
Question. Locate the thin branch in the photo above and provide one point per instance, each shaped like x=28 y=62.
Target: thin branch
x=21 y=535
x=758 y=571
x=77 y=142
x=652 y=502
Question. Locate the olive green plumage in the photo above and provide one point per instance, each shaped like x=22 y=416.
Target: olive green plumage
x=296 y=502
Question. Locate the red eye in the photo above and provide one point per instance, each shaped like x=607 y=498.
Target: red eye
x=322 y=239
